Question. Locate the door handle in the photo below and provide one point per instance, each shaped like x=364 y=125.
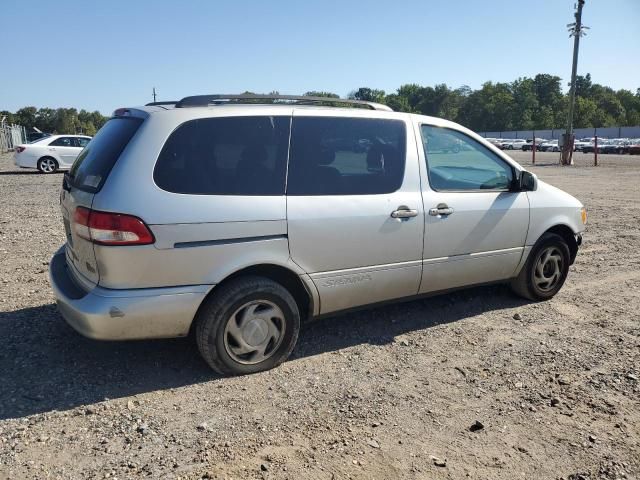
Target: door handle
x=404 y=212
x=441 y=209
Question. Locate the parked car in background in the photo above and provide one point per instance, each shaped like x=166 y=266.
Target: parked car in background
x=634 y=147
x=528 y=145
x=496 y=142
x=591 y=146
x=50 y=154
x=550 y=146
x=579 y=145
x=238 y=222
x=515 y=144
x=611 y=147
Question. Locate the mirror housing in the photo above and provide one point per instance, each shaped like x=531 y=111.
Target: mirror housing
x=527 y=181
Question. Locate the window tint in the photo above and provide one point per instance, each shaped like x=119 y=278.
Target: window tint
x=346 y=156
x=226 y=156
x=94 y=163
x=458 y=162
x=62 y=142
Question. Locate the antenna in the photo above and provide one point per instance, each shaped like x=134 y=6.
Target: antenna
x=154 y=94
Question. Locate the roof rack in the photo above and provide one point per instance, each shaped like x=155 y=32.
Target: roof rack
x=166 y=102
x=219 y=99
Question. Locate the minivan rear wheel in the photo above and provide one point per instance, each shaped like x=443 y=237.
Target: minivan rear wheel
x=546 y=269
x=248 y=325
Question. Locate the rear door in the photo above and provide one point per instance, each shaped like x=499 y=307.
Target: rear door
x=66 y=149
x=354 y=210
x=85 y=178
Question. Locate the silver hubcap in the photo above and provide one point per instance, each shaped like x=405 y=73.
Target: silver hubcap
x=254 y=332
x=548 y=270
x=48 y=165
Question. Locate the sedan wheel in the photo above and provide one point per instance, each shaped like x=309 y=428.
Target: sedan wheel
x=47 y=165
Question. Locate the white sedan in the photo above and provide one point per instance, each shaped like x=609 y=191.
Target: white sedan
x=550 y=146
x=50 y=154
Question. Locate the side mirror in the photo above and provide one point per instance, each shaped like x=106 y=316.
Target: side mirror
x=527 y=182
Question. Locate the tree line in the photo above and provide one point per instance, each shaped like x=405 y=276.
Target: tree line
x=536 y=103
x=58 y=120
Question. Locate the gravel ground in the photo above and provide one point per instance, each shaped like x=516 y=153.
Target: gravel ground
x=475 y=384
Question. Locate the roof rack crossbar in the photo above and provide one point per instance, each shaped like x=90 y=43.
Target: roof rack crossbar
x=220 y=99
x=165 y=102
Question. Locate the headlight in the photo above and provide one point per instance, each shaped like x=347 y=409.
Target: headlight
x=583 y=214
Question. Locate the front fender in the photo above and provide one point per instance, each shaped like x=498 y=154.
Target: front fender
x=551 y=207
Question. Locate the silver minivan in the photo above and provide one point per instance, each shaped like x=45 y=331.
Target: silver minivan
x=237 y=217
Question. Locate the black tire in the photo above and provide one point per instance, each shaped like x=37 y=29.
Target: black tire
x=47 y=165
x=525 y=283
x=216 y=313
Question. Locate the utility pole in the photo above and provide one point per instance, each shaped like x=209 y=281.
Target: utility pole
x=576 y=30
x=154 y=92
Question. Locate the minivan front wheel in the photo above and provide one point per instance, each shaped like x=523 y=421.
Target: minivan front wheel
x=546 y=269
x=249 y=325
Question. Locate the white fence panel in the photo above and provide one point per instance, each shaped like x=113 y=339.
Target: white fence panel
x=11 y=136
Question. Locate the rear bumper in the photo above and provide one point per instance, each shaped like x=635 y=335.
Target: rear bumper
x=107 y=314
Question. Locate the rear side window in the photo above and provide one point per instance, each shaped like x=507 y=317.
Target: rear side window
x=62 y=142
x=226 y=156
x=94 y=163
x=346 y=156
x=81 y=142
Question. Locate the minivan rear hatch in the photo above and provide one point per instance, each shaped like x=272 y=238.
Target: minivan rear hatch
x=84 y=180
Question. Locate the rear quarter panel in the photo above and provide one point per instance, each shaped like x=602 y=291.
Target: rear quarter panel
x=200 y=239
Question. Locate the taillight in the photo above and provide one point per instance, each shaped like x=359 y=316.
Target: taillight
x=106 y=228
x=20 y=149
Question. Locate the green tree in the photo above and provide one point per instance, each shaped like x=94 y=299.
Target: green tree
x=526 y=114
x=397 y=102
x=492 y=108
x=46 y=119
x=583 y=85
x=8 y=117
x=314 y=93
x=26 y=117
x=585 y=113
x=368 y=95
x=631 y=105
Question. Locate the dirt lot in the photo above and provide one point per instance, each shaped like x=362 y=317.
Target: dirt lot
x=386 y=393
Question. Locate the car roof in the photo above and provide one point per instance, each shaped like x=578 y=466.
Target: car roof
x=58 y=135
